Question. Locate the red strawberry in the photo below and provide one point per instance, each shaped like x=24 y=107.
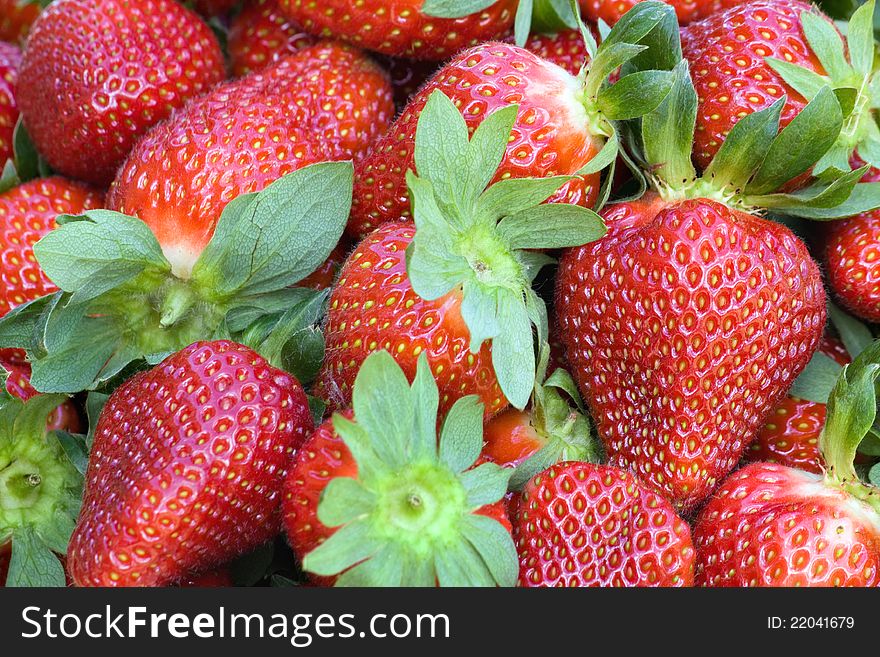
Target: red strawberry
x=610 y=11
x=566 y=49
x=326 y=102
x=791 y=434
x=325 y=275
x=407 y=77
x=213 y=8
x=10 y=59
x=27 y=213
x=580 y=524
x=770 y=525
x=220 y=578
x=401 y=28
x=187 y=466
x=552 y=135
x=748 y=57
x=18 y=384
x=418 y=519
x=97 y=74
x=667 y=334
x=16 y=18
x=261 y=35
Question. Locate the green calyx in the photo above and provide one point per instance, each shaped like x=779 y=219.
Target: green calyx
x=411 y=517
x=120 y=300
x=481 y=242
x=40 y=491
x=755 y=160
x=564 y=431
x=25 y=164
x=849 y=67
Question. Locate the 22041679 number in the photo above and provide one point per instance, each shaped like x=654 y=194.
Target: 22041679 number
x=811 y=622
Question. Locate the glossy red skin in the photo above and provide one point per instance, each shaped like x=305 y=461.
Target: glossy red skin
x=684 y=327
x=790 y=435
x=326 y=102
x=687 y=11
x=16 y=19
x=582 y=524
x=398 y=27
x=769 y=525
x=10 y=59
x=97 y=74
x=214 y=579
x=373 y=307
x=187 y=466
x=27 y=213
x=324 y=456
x=261 y=35
x=726 y=53
x=510 y=438
x=551 y=135
x=566 y=48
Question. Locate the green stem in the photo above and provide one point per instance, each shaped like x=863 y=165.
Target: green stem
x=19 y=485
x=179 y=299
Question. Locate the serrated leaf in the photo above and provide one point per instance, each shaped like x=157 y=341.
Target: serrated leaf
x=635 y=95
x=512 y=195
x=513 y=354
x=344 y=500
x=817 y=380
x=551 y=226
x=485 y=484
x=860 y=39
x=461 y=437
x=495 y=545
x=32 y=563
x=278 y=236
x=826 y=43
x=454 y=8
x=668 y=131
x=803 y=80
x=98 y=251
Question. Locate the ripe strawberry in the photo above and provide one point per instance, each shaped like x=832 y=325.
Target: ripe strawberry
x=581 y=524
x=326 y=102
x=687 y=11
x=402 y=28
x=16 y=17
x=211 y=8
x=220 y=578
x=746 y=58
x=407 y=77
x=27 y=213
x=261 y=35
x=769 y=525
x=10 y=59
x=97 y=74
x=187 y=466
x=325 y=275
x=565 y=48
x=374 y=498
x=790 y=436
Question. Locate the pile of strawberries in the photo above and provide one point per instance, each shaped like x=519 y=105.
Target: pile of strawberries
x=439 y=293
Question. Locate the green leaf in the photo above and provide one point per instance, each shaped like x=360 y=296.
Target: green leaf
x=383 y=406
x=635 y=95
x=807 y=83
x=460 y=565
x=611 y=56
x=495 y=545
x=800 y=144
x=856 y=337
x=426 y=401
x=513 y=195
x=485 y=484
x=344 y=500
x=350 y=544
x=563 y=381
x=864 y=198
x=461 y=437
x=550 y=17
x=24 y=325
x=663 y=39
x=32 y=563
x=551 y=226
x=28 y=163
x=479 y=310
x=744 y=148
x=874 y=474
x=513 y=353
x=275 y=238
x=75 y=448
x=817 y=380
x=820 y=196
x=317 y=408
x=668 y=131
x=383 y=569
x=860 y=39
x=605 y=158
x=248 y=310
x=98 y=251
x=486 y=149
x=9 y=177
x=454 y=8
x=522 y=24
x=826 y=43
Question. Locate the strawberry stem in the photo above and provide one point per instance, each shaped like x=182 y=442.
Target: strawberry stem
x=177 y=303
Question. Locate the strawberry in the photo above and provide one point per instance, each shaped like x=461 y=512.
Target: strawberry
x=580 y=524
x=456 y=285
x=748 y=57
x=770 y=525
x=97 y=74
x=16 y=18
x=215 y=579
x=405 y=28
x=407 y=77
x=10 y=59
x=562 y=124
x=27 y=213
x=260 y=35
x=325 y=275
x=326 y=102
x=791 y=434
x=18 y=384
x=687 y=324
x=565 y=48
x=375 y=499
x=687 y=11
x=186 y=467
x=40 y=489
x=211 y=8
